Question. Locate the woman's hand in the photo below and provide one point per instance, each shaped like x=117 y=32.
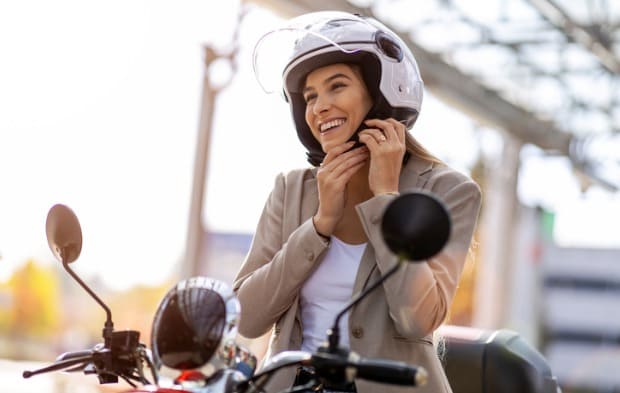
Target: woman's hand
x=385 y=140
x=337 y=168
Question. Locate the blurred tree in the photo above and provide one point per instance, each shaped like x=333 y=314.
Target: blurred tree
x=6 y=302
x=35 y=310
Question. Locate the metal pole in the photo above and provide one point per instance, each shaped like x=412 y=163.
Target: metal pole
x=195 y=228
x=196 y=241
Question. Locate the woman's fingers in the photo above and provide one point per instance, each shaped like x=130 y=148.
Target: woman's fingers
x=336 y=152
x=339 y=156
x=389 y=130
x=386 y=142
x=398 y=128
x=332 y=179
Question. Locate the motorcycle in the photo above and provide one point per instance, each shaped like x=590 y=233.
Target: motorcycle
x=212 y=309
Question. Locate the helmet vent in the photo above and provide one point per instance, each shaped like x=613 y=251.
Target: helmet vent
x=388 y=46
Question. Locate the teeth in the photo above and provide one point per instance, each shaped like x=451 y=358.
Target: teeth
x=331 y=124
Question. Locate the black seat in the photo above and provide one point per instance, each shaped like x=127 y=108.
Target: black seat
x=494 y=361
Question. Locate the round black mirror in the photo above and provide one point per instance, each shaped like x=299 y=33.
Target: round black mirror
x=64 y=234
x=416 y=226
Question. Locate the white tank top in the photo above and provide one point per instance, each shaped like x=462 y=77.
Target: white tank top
x=326 y=293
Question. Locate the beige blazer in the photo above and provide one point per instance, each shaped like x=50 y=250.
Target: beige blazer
x=396 y=321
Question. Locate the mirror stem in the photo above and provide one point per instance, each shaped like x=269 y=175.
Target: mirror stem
x=109 y=325
x=333 y=334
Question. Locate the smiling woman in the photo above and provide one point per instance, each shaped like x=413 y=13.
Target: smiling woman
x=349 y=77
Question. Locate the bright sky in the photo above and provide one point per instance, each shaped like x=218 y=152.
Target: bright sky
x=99 y=109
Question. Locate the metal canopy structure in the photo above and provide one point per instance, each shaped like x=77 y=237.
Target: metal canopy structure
x=545 y=71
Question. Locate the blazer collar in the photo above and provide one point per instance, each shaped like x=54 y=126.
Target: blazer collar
x=421 y=169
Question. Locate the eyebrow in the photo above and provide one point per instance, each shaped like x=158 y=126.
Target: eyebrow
x=329 y=79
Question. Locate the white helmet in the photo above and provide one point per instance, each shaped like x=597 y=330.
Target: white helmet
x=283 y=58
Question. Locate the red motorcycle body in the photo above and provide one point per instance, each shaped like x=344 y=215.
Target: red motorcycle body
x=156 y=389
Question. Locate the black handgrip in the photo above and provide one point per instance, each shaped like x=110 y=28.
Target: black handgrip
x=391 y=372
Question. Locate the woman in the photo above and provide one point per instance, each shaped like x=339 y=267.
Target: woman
x=318 y=240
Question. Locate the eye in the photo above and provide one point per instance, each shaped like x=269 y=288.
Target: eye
x=309 y=97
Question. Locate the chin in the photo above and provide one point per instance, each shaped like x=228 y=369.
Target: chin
x=331 y=144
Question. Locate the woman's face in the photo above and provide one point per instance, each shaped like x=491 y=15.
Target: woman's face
x=337 y=101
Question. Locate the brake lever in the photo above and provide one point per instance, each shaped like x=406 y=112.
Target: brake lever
x=59 y=365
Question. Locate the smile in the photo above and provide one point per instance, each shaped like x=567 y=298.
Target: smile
x=331 y=124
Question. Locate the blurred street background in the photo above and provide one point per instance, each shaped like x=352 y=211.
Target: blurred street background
x=146 y=119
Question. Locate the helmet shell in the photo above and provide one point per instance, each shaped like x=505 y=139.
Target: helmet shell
x=389 y=68
x=194 y=323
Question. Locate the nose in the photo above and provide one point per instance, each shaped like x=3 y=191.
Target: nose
x=321 y=104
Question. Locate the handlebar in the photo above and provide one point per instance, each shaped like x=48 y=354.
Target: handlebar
x=392 y=372
x=74 y=354
x=124 y=359
x=340 y=368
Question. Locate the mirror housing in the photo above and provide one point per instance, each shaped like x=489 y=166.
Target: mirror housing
x=416 y=226
x=64 y=233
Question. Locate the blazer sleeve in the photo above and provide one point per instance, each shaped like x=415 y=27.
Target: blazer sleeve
x=274 y=269
x=419 y=295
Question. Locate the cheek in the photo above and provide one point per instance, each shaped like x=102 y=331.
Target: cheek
x=309 y=116
x=366 y=102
